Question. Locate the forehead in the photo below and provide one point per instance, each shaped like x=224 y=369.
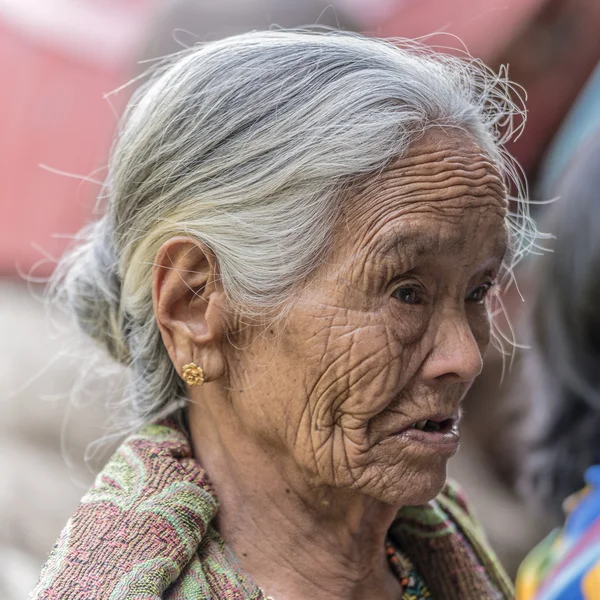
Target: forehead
x=443 y=194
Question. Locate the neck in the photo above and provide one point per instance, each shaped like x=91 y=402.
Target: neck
x=294 y=538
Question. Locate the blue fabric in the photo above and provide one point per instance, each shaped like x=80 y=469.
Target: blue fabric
x=566 y=565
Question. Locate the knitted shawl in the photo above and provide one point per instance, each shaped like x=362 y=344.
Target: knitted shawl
x=144 y=532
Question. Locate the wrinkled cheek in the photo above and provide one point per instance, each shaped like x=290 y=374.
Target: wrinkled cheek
x=364 y=383
x=342 y=440
x=341 y=455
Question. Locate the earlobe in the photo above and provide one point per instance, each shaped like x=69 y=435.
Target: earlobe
x=192 y=374
x=188 y=303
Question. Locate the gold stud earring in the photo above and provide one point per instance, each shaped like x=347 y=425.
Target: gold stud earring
x=192 y=374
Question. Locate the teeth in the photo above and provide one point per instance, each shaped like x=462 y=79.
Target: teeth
x=420 y=424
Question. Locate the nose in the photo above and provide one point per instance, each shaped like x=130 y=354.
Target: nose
x=455 y=355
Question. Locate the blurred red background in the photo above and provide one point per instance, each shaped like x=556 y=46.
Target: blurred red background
x=59 y=58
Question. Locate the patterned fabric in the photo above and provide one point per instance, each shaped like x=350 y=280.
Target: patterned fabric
x=413 y=585
x=143 y=532
x=566 y=565
x=415 y=588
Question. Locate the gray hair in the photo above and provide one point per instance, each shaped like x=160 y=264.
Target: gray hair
x=247 y=145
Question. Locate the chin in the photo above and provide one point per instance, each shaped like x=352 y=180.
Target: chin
x=413 y=487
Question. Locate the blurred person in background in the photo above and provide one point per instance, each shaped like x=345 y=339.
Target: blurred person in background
x=563 y=369
x=301 y=236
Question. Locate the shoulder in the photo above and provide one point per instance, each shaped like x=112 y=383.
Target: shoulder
x=566 y=564
x=448 y=546
x=140 y=524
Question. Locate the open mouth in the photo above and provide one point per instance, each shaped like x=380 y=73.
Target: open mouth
x=427 y=425
x=437 y=435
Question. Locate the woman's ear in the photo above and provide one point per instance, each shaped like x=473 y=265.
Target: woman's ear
x=190 y=305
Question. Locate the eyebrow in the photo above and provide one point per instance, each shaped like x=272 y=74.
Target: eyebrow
x=421 y=244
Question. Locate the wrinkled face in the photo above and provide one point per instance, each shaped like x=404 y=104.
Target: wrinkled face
x=389 y=332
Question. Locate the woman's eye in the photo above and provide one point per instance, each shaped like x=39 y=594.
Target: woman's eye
x=479 y=294
x=408 y=294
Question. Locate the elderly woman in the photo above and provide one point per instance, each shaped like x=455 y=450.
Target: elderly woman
x=300 y=237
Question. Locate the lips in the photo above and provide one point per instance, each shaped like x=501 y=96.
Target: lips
x=437 y=433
